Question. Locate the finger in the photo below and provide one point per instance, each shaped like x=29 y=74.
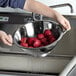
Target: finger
x=10 y=39
x=63 y=24
x=5 y=41
x=68 y=25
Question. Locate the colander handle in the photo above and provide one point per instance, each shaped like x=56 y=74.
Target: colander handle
x=37 y=17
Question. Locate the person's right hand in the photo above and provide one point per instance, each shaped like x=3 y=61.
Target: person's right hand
x=6 y=39
x=62 y=20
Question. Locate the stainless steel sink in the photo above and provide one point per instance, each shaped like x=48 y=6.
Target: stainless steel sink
x=24 y=63
x=13 y=58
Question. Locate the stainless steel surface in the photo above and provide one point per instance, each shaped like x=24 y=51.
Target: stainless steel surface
x=62 y=48
x=65 y=48
x=70 y=69
x=18 y=62
x=25 y=74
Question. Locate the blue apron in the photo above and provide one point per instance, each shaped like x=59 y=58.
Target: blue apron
x=12 y=3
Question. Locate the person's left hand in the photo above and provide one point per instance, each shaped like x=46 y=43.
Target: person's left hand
x=5 y=38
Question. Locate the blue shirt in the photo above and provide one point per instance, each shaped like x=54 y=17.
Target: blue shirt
x=12 y=3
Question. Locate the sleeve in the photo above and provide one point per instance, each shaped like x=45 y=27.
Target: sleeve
x=12 y=3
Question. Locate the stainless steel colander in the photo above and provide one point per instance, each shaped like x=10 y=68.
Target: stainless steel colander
x=31 y=29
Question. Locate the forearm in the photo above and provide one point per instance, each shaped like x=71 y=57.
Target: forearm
x=37 y=7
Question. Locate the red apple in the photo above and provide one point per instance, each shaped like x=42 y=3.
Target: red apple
x=24 y=44
x=51 y=39
x=30 y=46
x=40 y=36
x=37 y=43
x=23 y=39
x=31 y=40
x=47 y=32
x=44 y=40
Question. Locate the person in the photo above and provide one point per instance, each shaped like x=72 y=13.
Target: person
x=32 y=6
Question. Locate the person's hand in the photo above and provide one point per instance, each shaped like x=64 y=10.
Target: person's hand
x=6 y=39
x=62 y=20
